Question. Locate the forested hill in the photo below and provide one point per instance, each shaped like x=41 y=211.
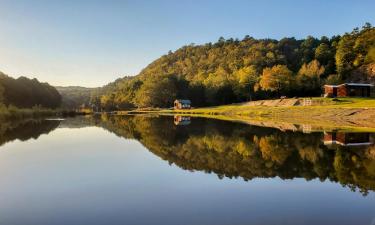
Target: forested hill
x=26 y=93
x=233 y=70
x=74 y=96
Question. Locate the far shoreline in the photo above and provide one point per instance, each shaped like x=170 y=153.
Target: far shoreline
x=357 y=114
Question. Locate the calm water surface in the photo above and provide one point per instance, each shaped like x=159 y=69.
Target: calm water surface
x=164 y=170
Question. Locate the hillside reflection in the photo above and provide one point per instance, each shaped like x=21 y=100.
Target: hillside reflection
x=25 y=129
x=232 y=150
x=237 y=150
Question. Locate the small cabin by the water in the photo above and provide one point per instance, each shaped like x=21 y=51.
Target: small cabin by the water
x=182 y=104
x=348 y=90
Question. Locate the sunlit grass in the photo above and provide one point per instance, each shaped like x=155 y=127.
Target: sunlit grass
x=325 y=103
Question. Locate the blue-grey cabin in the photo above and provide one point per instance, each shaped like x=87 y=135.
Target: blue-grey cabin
x=182 y=104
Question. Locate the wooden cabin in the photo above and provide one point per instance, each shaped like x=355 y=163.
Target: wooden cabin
x=348 y=90
x=347 y=139
x=182 y=104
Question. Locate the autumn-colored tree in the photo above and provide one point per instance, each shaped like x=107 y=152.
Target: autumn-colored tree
x=247 y=77
x=312 y=69
x=278 y=78
x=308 y=78
x=371 y=55
x=272 y=148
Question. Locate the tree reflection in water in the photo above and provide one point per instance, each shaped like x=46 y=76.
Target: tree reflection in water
x=231 y=149
x=25 y=129
x=238 y=150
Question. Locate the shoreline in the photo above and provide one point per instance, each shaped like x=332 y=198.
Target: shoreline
x=348 y=114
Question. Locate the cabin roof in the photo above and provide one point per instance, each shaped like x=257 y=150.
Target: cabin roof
x=183 y=101
x=351 y=84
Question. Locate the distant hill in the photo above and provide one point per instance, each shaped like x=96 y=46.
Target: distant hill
x=75 y=96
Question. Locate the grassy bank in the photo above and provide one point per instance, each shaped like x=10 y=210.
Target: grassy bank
x=356 y=113
x=12 y=112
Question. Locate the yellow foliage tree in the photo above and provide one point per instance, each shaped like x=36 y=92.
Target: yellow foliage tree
x=278 y=78
x=308 y=77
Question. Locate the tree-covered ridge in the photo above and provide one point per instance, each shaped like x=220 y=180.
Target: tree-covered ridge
x=233 y=70
x=26 y=93
x=74 y=97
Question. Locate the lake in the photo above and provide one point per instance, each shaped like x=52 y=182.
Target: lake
x=181 y=170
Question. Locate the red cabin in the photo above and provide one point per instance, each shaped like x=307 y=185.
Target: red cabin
x=348 y=90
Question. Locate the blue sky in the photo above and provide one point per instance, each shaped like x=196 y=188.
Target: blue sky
x=91 y=43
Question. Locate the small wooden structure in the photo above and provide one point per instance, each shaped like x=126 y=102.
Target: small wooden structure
x=348 y=90
x=347 y=139
x=182 y=104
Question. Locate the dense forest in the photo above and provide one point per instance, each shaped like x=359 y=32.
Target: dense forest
x=27 y=93
x=233 y=70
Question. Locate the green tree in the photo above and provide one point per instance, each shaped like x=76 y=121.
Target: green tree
x=325 y=54
x=1 y=94
x=27 y=93
x=307 y=49
x=334 y=79
x=157 y=92
x=353 y=50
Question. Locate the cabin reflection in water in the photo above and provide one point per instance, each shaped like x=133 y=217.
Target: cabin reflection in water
x=182 y=120
x=347 y=139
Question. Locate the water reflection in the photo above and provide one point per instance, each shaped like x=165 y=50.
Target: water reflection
x=24 y=130
x=237 y=150
x=234 y=150
x=182 y=120
x=347 y=139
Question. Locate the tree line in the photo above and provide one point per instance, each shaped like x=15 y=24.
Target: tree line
x=232 y=70
x=27 y=93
